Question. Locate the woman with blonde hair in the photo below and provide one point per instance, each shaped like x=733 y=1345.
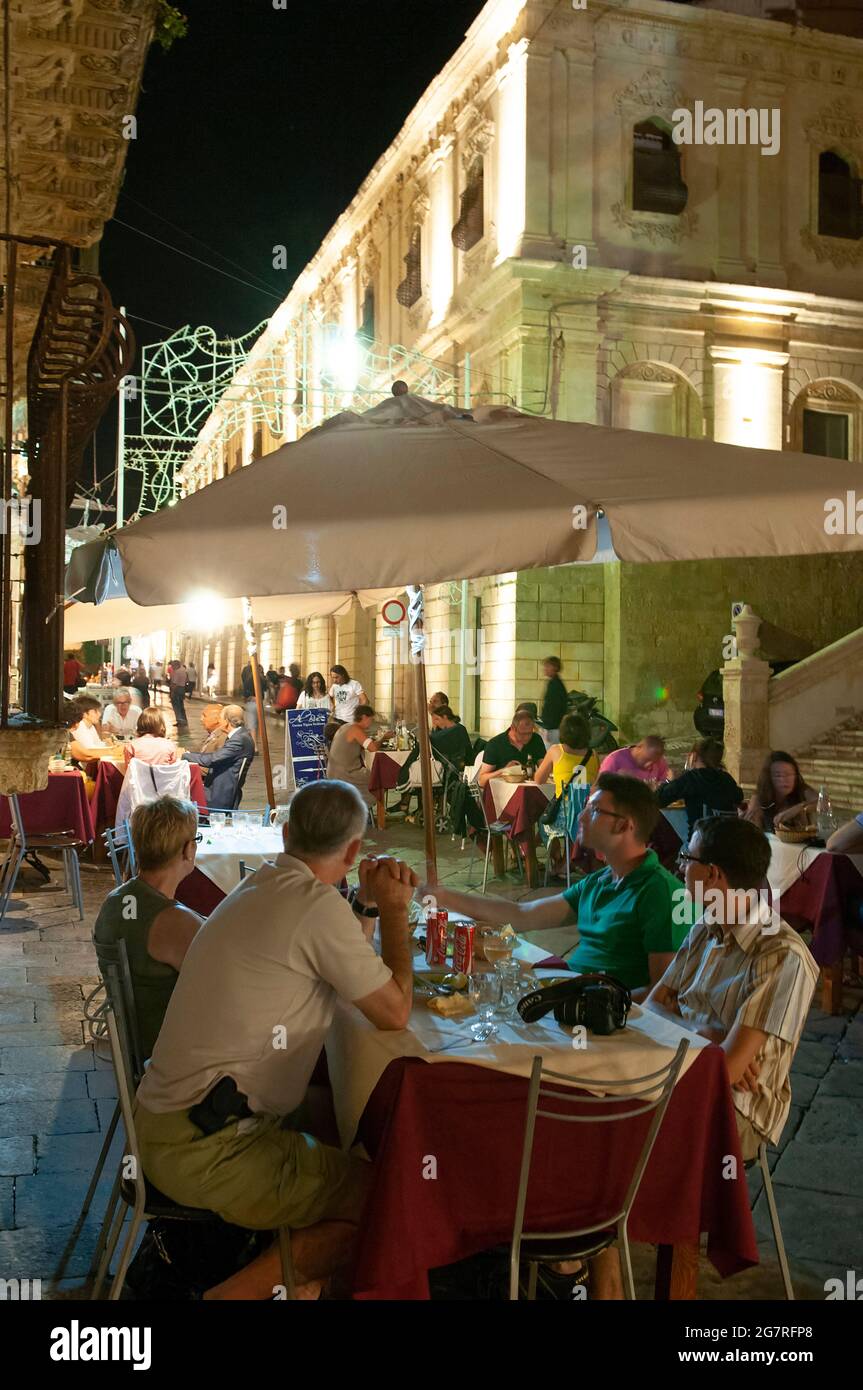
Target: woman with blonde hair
x=160 y=930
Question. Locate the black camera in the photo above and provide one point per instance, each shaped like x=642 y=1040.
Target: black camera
x=599 y=1003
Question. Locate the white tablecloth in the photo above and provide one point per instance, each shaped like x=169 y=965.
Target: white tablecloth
x=358 y=1053
x=219 y=853
x=502 y=791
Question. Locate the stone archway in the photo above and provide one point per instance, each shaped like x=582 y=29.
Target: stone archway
x=656 y=397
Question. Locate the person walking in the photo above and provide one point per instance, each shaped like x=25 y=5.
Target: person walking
x=179 y=680
x=251 y=705
x=192 y=682
x=554 y=702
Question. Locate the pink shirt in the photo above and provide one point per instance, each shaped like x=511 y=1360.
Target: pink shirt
x=622 y=761
x=152 y=749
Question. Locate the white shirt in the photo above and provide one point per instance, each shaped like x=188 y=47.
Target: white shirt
x=257 y=992
x=314 y=701
x=86 y=735
x=346 y=698
x=121 y=723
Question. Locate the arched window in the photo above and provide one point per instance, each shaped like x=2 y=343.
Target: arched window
x=470 y=226
x=410 y=289
x=367 y=320
x=840 y=198
x=656 y=182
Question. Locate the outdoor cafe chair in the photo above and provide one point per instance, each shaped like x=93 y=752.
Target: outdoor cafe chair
x=144 y=782
x=23 y=843
x=493 y=829
x=131 y=1188
x=565 y=827
x=121 y=851
x=773 y=1212
x=644 y=1095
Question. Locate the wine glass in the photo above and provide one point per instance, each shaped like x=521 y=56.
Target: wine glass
x=512 y=986
x=484 y=991
x=496 y=947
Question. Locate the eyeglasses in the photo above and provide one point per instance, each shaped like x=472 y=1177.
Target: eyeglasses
x=196 y=839
x=598 y=811
x=684 y=858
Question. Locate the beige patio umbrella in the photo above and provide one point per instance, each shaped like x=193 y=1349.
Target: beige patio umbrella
x=413 y=492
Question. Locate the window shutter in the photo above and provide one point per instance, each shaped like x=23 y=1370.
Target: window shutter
x=410 y=289
x=656 y=182
x=469 y=228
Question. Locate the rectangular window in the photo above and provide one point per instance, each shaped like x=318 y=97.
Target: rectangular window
x=826 y=433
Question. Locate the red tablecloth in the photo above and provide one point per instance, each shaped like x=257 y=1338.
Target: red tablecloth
x=200 y=893
x=827 y=898
x=471 y=1120
x=521 y=812
x=385 y=773
x=109 y=780
x=63 y=805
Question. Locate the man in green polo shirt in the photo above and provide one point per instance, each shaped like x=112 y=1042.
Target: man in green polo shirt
x=625 y=912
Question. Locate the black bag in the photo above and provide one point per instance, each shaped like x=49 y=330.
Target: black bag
x=600 y=1003
x=178 y=1260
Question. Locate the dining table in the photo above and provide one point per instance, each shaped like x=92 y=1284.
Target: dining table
x=519 y=805
x=224 y=854
x=62 y=805
x=432 y=1092
x=385 y=768
x=108 y=775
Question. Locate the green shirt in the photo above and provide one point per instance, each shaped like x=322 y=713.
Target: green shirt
x=621 y=923
x=499 y=751
x=127 y=914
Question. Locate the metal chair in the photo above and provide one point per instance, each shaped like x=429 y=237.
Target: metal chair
x=499 y=828
x=118 y=842
x=23 y=843
x=131 y=1186
x=773 y=1212
x=116 y=984
x=565 y=826
x=643 y=1095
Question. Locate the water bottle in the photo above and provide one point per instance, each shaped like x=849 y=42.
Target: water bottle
x=529 y=768
x=824 y=814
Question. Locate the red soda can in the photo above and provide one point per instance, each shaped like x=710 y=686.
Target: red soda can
x=435 y=939
x=462 y=955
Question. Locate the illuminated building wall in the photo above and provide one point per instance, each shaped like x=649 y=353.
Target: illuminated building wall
x=714 y=301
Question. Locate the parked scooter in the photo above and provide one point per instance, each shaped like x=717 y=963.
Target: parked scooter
x=602 y=730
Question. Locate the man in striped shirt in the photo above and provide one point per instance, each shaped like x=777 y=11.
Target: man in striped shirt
x=742 y=978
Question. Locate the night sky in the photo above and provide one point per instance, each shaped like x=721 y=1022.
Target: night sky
x=256 y=130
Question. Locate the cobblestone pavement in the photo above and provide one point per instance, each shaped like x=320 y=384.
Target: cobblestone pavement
x=57 y=1097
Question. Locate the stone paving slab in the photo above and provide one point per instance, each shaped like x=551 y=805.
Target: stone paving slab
x=45 y=1198
x=17 y=1155
x=7 y=1204
x=67 y=1032
x=64 y=1153
x=822 y=1225
x=32 y=1059
x=48 y=1085
x=803 y=1088
x=835 y=1121
x=843 y=1079
x=812 y=1059
x=48 y=1117
x=101 y=1085
x=822 y=1167
x=34 y=1253
x=21 y=1011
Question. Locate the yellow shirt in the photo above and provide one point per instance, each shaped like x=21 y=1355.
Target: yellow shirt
x=565 y=765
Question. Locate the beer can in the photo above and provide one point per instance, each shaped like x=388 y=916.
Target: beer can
x=462 y=954
x=435 y=939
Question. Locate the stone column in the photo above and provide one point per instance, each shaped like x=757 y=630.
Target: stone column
x=744 y=687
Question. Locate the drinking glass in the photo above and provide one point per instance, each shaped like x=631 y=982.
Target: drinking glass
x=496 y=947
x=484 y=991
x=512 y=987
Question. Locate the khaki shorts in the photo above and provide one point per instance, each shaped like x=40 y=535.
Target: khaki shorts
x=749 y=1137
x=261 y=1176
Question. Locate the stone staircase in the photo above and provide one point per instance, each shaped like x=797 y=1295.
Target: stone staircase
x=836 y=759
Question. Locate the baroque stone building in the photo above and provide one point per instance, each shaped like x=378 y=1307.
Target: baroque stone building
x=536 y=232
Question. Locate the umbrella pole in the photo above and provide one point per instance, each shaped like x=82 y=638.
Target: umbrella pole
x=252 y=646
x=417 y=647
